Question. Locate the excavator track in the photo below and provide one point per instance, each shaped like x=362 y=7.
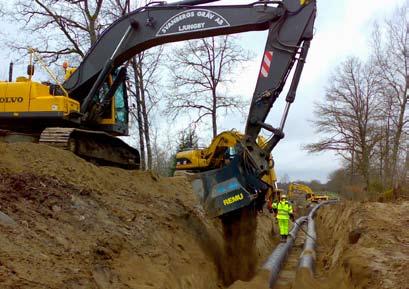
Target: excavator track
x=95 y=146
x=57 y=136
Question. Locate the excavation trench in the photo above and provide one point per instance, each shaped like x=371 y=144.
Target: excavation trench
x=81 y=226
x=359 y=245
x=66 y=223
x=349 y=251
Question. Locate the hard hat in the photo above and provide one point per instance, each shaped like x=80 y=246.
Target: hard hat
x=284 y=196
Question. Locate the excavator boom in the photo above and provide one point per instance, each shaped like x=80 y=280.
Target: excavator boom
x=289 y=24
x=290 y=29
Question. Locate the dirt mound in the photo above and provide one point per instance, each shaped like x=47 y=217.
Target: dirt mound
x=75 y=225
x=361 y=245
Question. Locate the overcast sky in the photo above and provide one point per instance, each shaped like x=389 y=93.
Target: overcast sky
x=342 y=28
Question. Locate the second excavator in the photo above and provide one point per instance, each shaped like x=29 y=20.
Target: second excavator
x=88 y=110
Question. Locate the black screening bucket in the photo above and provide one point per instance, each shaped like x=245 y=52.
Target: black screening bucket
x=223 y=190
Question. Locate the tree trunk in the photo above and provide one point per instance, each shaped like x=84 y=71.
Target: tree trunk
x=406 y=169
x=396 y=141
x=145 y=115
x=387 y=161
x=214 y=114
x=364 y=163
x=365 y=168
x=92 y=32
x=351 y=179
x=139 y=115
x=382 y=158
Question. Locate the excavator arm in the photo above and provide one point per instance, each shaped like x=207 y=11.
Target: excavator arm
x=290 y=25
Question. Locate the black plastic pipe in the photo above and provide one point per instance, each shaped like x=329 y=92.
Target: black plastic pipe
x=308 y=255
x=276 y=260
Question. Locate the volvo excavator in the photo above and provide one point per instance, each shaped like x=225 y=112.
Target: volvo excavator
x=89 y=110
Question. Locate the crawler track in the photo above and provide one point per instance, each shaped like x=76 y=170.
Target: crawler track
x=96 y=146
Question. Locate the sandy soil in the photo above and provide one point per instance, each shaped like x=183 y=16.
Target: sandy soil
x=361 y=245
x=70 y=224
x=65 y=223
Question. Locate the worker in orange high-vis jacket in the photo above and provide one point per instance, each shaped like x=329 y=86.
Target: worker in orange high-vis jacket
x=283 y=211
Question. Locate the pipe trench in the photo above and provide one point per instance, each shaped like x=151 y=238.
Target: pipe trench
x=308 y=256
x=278 y=257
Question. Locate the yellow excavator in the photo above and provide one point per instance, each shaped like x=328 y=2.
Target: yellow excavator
x=87 y=112
x=320 y=197
x=296 y=190
x=46 y=113
x=221 y=151
x=216 y=155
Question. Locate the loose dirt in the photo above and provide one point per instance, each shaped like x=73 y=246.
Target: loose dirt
x=66 y=223
x=361 y=245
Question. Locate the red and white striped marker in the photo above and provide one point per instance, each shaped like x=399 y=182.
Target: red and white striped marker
x=265 y=66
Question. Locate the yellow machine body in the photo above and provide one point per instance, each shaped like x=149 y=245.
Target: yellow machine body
x=36 y=112
x=217 y=155
x=25 y=96
x=27 y=100
x=320 y=198
x=295 y=189
x=213 y=156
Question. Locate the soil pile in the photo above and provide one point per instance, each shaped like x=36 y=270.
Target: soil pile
x=66 y=223
x=361 y=245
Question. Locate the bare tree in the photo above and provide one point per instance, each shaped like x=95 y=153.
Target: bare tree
x=145 y=66
x=349 y=115
x=163 y=157
x=188 y=139
x=198 y=70
x=391 y=55
x=59 y=28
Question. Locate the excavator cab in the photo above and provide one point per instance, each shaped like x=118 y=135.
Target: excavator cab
x=112 y=101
